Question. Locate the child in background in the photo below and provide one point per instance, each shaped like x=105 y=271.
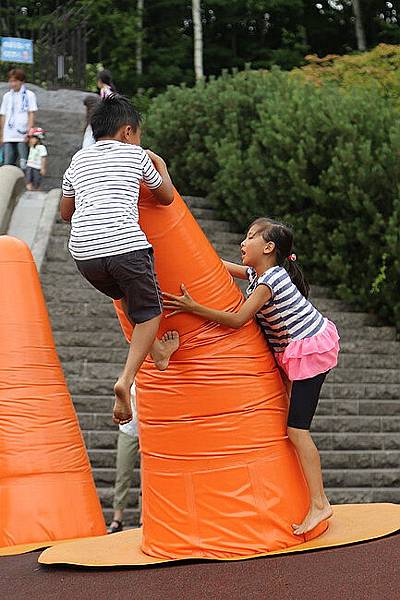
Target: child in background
x=17 y=117
x=90 y=103
x=127 y=457
x=105 y=84
x=37 y=159
x=304 y=343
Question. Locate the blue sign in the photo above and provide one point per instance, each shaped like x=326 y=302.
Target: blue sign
x=16 y=50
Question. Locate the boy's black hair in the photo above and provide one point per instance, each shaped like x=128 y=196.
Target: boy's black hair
x=111 y=114
x=282 y=236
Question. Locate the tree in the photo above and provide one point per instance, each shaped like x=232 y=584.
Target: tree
x=198 y=39
x=139 y=41
x=359 y=27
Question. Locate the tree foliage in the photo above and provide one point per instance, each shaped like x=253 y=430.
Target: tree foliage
x=326 y=161
x=236 y=32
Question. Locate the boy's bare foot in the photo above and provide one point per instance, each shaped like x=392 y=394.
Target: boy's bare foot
x=314 y=517
x=163 y=349
x=122 y=412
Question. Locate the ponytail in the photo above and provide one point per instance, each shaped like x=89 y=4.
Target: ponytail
x=297 y=277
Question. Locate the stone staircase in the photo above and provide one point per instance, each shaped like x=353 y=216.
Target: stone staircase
x=357 y=427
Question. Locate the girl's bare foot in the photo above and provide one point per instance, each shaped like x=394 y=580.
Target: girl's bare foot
x=122 y=412
x=163 y=349
x=316 y=514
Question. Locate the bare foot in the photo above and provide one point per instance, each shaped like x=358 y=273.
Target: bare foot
x=164 y=348
x=122 y=412
x=314 y=517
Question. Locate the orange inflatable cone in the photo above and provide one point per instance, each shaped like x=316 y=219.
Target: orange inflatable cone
x=46 y=486
x=220 y=477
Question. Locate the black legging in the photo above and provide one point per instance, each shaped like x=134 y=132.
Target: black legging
x=304 y=400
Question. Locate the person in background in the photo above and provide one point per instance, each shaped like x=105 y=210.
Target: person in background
x=90 y=102
x=105 y=84
x=37 y=159
x=127 y=455
x=17 y=117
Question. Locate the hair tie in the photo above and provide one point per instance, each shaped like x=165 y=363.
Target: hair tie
x=292 y=257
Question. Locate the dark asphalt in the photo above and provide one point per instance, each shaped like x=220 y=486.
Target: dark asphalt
x=366 y=571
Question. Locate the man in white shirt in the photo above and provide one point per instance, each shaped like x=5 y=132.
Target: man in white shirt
x=17 y=116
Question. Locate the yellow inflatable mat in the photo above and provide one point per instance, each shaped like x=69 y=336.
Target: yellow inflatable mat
x=351 y=523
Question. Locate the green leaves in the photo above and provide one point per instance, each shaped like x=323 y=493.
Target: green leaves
x=324 y=160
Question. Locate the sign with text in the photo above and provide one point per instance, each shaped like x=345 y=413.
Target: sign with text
x=16 y=50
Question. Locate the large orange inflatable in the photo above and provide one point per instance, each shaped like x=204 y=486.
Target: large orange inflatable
x=220 y=477
x=47 y=491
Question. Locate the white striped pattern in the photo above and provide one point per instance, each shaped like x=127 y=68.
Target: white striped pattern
x=105 y=179
x=287 y=316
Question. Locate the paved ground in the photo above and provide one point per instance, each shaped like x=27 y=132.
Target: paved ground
x=368 y=571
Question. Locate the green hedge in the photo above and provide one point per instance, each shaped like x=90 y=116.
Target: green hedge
x=324 y=160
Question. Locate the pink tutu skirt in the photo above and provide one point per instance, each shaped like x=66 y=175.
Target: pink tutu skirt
x=311 y=356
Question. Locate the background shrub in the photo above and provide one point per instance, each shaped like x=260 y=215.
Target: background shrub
x=321 y=158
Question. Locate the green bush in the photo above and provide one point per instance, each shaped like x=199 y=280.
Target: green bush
x=323 y=160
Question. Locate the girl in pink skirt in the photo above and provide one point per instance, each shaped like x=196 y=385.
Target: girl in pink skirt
x=304 y=342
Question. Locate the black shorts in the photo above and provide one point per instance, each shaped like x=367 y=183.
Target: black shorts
x=304 y=400
x=33 y=176
x=130 y=276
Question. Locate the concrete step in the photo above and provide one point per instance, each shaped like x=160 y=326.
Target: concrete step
x=370 y=361
x=90 y=403
x=54 y=293
x=104 y=459
x=65 y=282
x=359 y=407
x=355 y=424
x=356 y=495
x=105 y=339
x=50 y=183
x=99 y=421
x=354 y=478
x=366 y=375
x=344 y=320
x=331 y=306
x=360 y=459
x=131 y=517
x=204 y=213
x=359 y=346
x=76 y=310
x=357 y=441
x=197 y=202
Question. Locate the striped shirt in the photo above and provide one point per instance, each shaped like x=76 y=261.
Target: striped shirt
x=288 y=315
x=105 y=180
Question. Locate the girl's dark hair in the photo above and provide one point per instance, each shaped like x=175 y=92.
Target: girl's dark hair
x=90 y=102
x=106 y=77
x=110 y=114
x=282 y=236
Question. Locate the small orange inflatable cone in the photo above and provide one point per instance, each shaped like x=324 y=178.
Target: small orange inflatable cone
x=46 y=486
x=220 y=477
